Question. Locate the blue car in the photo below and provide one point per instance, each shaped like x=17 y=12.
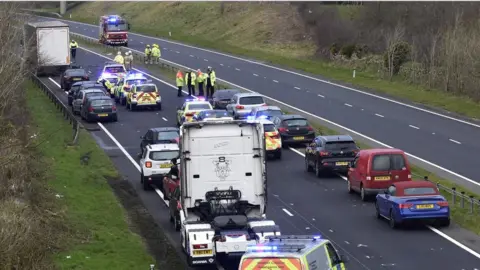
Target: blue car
x=413 y=201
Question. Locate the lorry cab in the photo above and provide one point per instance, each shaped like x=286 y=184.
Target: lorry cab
x=113 y=30
x=374 y=170
x=292 y=252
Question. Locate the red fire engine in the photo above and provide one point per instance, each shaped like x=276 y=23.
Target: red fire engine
x=113 y=30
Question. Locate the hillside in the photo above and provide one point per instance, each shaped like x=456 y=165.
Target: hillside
x=427 y=53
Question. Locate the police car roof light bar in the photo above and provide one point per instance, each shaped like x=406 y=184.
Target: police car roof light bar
x=293 y=237
x=276 y=248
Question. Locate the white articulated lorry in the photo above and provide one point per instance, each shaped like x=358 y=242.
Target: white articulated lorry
x=223 y=189
x=46 y=47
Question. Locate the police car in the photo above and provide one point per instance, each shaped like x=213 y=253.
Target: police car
x=114 y=68
x=273 y=142
x=292 y=252
x=156 y=162
x=144 y=95
x=125 y=84
x=190 y=108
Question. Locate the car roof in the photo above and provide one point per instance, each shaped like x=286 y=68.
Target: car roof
x=163 y=147
x=75 y=69
x=290 y=116
x=266 y=108
x=336 y=138
x=113 y=65
x=160 y=129
x=90 y=90
x=382 y=151
x=223 y=91
x=145 y=84
x=84 y=82
x=212 y=111
x=197 y=102
x=249 y=95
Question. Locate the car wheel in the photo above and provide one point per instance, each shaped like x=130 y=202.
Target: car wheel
x=308 y=168
x=393 y=224
x=115 y=118
x=318 y=170
x=377 y=211
x=444 y=222
x=132 y=107
x=146 y=185
x=159 y=106
x=363 y=196
x=349 y=186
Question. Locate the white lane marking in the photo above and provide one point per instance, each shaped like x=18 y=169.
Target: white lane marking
x=177 y=51
x=330 y=122
x=52 y=80
x=433 y=133
x=298 y=88
x=321 y=96
x=445 y=236
x=191 y=55
x=256 y=75
x=221 y=65
x=413 y=127
x=275 y=81
x=141 y=42
x=237 y=69
x=288 y=212
x=379 y=115
x=457 y=142
x=164 y=119
x=205 y=60
x=348 y=105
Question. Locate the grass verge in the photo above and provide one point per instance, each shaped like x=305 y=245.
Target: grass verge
x=461 y=216
x=80 y=175
x=282 y=57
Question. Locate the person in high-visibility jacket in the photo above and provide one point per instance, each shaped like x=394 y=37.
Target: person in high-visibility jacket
x=148 y=54
x=190 y=78
x=210 y=80
x=73 y=48
x=107 y=84
x=128 y=60
x=119 y=58
x=156 y=53
x=179 y=82
x=200 y=80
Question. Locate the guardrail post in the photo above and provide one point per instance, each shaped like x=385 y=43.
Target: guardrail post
x=454 y=195
x=462 y=202
x=472 y=204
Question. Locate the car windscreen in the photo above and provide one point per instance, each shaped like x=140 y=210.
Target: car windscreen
x=193 y=107
x=269 y=113
x=295 y=122
x=420 y=191
x=137 y=81
x=167 y=135
x=117 y=27
x=388 y=162
x=215 y=114
x=101 y=102
x=115 y=69
x=253 y=100
x=269 y=127
x=163 y=155
x=146 y=88
x=341 y=146
x=224 y=94
x=75 y=73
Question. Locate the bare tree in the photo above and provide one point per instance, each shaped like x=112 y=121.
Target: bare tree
x=392 y=39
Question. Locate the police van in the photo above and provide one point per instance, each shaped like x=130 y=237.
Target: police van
x=292 y=252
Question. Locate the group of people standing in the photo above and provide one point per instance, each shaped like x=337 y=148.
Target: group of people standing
x=191 y=79
x=127 y=60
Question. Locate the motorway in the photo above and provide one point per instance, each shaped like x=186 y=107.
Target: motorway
x=449 y=143
x=299 y=202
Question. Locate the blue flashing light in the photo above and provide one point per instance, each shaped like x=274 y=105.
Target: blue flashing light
x=112 y=19
x=189 y=99
x=317 y=237
x=263 y=117
x=262 y=248
x=250 y=118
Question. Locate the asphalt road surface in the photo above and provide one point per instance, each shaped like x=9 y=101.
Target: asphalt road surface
x=298 y=201
x=446 y=140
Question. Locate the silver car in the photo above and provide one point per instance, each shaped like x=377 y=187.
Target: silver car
x=81 y=96
x=241 y=104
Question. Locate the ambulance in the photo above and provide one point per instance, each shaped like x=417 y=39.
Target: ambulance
x=292 y=252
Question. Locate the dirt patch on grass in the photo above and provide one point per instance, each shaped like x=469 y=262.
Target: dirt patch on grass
x=142 y=223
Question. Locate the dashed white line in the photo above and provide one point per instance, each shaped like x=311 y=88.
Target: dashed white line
x=288 y=212
x=141 y=42
x=379 y=115
x=237 y=69
x=275 y=81
x=256 y=75
x=221 y=65
x=348 y=105
x=457 y=142
x=177 y=51
x=164 y=119
x=206 y=60
x=413 y=127
x=298 y=88
x=191 y=55
x=321 y=96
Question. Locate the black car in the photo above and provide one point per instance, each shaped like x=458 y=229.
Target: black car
x=293 y=129
x=71 y=76
x=98 y=108
x=221 y=98
x=211 y=114
x=159 y=135
x=330 y=153
x=76 y=87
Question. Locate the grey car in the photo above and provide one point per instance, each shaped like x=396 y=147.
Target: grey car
x=81 y=96
x=221 y=98
x=98 y=108
x=241 y=104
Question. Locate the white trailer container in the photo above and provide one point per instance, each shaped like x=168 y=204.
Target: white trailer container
x=47 y=47
x=223 y=189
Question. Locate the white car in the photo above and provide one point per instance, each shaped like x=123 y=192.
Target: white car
x=112 y=68
x=156 y=162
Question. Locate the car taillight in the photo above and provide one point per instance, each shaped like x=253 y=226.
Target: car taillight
x=179 y=205
x=90 y=109
x=148 y=164
x=282 y=129
x=264 y=104
x=323 y=153
x=310 y=128
x=85 y=77
x=239 y=107
x=66 y=77
x=442 y=204
x=114 y=108
x=405 y=205
x=189 y=114
x=200 y=246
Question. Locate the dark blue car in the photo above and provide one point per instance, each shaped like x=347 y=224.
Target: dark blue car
x=410 y=201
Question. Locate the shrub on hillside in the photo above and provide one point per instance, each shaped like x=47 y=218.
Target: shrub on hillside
x=395 y=56
x=348 y=50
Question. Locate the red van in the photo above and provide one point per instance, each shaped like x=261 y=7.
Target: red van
x=374 y=170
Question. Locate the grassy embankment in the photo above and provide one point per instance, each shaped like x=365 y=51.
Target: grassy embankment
x=460 y=215
x=265 y=32
x=100 y=235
